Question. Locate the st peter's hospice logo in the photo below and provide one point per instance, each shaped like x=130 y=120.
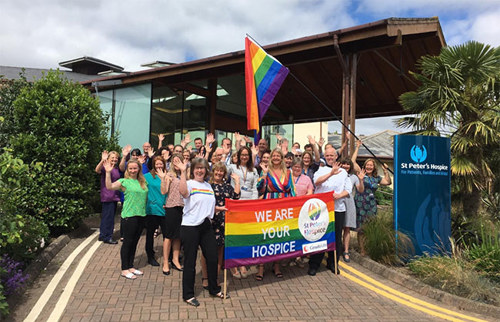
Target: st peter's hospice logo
x=418 y=153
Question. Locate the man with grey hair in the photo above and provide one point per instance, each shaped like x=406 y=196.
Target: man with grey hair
x=332 y=178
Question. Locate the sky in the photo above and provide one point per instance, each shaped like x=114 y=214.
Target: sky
x=128 y=33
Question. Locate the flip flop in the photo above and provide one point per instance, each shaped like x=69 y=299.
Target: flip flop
x=137 y=272
x=259 y=277
x=193 y=302
x=221 y=295
x=129 y=276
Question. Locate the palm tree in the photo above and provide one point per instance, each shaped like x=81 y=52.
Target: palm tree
x=459 y=98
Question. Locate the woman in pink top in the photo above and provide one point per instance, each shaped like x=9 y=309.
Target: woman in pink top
x=303 y=184
x=303 y=187
x=173 y=214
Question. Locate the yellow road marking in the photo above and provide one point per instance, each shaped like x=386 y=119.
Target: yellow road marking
x=409 y=300
x=70 y=286
x=49 y=290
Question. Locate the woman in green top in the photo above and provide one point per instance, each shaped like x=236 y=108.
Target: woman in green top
x=135 y=190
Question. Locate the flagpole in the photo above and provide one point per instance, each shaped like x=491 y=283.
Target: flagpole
x=326 y=107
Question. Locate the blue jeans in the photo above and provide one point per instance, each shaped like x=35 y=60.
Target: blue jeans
x=107 y=220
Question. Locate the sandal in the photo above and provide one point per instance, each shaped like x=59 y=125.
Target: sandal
x=137 y=272
x=129 y=276
x=221 y=295
x=259 y=277
x=278 y=274
x=346 y=256
x=193 y=302
x=202 y=280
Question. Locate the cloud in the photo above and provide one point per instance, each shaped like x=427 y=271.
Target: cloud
x=486 y=29
x=129 y=33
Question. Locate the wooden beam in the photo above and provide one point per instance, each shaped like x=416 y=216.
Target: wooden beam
x=352 y=114
x=345 y=98
x=193 y=89
x=401 y=72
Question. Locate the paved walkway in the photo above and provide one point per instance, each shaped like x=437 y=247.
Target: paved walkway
x=100 y=294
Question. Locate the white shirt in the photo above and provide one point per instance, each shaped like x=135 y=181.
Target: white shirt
x=200 y=203
x=248 y=181
x=336 y=183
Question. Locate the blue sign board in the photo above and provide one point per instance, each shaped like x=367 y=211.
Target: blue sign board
x=422 y=191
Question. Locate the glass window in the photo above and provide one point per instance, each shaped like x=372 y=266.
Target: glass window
x=195 y=116
x=106 y=103
x=285 y=130
x=132 y=115
x=231 y=95
x=175 y=113
x=166 y=115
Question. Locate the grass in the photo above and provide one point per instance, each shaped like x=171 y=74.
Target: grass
x=380 y=240
x=455 y=274
x=471 y=271
x=484 y=254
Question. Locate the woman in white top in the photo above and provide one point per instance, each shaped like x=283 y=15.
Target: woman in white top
x=245 y=169
x=350 y=214
x=196 y=229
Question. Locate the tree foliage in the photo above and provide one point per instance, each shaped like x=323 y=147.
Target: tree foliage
x=61 y=127
x=459 y=98
x=9 y=90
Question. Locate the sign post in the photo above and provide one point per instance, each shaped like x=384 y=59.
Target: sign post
x=422 y=191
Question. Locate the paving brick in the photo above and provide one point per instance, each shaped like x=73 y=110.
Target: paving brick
x=102 y=295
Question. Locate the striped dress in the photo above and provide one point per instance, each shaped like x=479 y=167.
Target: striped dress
x=272 y=186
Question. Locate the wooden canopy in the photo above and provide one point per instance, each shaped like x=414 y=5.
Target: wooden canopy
x=357 y=72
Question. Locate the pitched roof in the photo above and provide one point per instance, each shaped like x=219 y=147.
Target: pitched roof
x=386 y=50
x=381 y=143
x=32 y=74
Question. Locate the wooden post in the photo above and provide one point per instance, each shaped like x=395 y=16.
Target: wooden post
x=345 y=101
x=352 y=114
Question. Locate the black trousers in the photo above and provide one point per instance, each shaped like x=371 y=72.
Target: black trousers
x=132 y=228
x=315 y=260
x=153 y=222
x=192 y=237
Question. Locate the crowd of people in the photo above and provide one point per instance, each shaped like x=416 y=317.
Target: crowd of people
x=180 y=192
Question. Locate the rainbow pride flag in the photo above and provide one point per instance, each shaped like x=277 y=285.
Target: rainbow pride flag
x=264 y=76
x=261 y=231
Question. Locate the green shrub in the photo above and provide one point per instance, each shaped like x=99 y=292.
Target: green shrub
x=380 y=240
x=4 y=306
x=455 y=275
x=485 y=253
x=20 y=234
x=9 y=90
x=63 y=128
x=383 y=195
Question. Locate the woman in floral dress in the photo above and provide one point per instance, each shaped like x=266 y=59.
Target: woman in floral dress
x=223 y=190
x=366 y=204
